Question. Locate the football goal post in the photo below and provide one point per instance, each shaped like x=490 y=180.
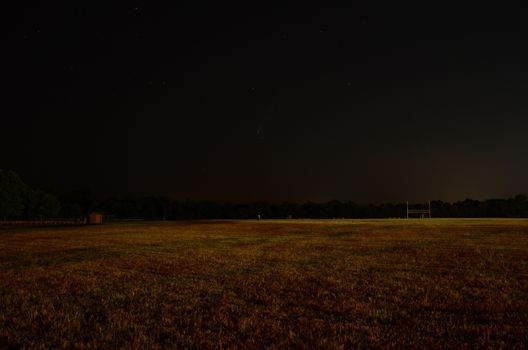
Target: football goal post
x=419 y=211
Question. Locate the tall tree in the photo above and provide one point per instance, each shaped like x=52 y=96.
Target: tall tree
x=12 y=192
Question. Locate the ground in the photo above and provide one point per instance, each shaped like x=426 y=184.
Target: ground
x=266 y=284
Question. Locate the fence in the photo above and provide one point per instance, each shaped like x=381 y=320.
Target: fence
x=49 y=222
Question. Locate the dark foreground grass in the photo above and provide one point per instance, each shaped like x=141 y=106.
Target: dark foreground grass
x=277 y=284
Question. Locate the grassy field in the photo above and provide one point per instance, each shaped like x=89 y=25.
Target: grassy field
x=268 y=284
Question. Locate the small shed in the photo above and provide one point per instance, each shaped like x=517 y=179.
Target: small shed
x=95 y=219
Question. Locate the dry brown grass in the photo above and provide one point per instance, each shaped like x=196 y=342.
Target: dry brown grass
x=269 y=284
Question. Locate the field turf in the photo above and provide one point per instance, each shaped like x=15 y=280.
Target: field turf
x=328 y=284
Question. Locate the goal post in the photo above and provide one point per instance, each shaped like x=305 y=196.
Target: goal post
x=421 y=211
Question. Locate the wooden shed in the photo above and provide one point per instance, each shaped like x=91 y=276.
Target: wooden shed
x=95 y=219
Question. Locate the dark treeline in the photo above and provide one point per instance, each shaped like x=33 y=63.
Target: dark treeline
x=18 y=201
x=160 y=208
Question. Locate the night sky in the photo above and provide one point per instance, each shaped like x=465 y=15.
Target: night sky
x=368 y=104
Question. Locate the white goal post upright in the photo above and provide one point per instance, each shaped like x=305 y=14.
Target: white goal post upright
x=424 y=213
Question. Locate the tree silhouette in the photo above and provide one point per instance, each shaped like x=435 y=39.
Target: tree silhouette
x=12 y=193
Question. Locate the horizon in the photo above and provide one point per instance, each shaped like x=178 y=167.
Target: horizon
x=104 y=197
